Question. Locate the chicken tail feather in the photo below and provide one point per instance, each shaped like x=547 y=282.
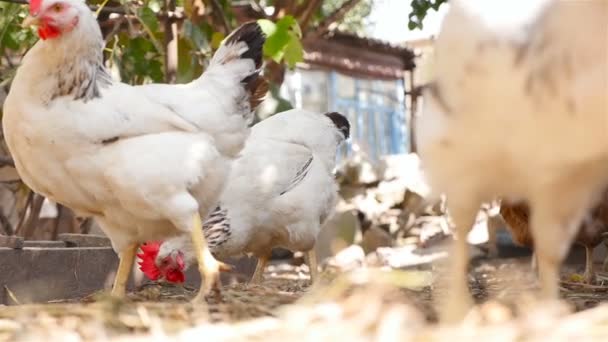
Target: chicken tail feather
x=246 y=42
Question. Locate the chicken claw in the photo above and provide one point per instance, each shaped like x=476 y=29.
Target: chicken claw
x=258 y=274
x=208 y=266
x=127 y=257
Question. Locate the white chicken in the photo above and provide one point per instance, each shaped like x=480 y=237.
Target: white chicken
x=519 y=109
x=280 y=192
x=146 y=162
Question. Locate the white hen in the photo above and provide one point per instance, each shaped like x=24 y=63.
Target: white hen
x=280 y=192
x=519 y=109
x=146 y=162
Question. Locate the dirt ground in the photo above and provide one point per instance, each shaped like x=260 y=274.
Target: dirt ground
x=363 y=305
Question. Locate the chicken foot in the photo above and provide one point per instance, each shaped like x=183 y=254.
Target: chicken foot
x=310 y=258
x=208 y=266
x=258 y=274
x=125 y=265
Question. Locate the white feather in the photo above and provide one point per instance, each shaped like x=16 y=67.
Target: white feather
x=260 y=214
x=140 y=159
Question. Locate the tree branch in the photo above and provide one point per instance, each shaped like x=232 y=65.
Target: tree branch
x=257 y=7
x=85 y=225
x=308 y=12
x=33 y=217
x=334 y=17
x=21 y=223
x=171 y=52
x=221 y=15
x=6 y=161
x=280 y=7
x=6 y=224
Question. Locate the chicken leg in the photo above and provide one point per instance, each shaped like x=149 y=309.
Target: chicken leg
x=127 y=257
x=458 y=299
x=589 y=274
x=554 y=225
x=208 y=266
x=258 y=274
x=311 y=260
x=534 y=263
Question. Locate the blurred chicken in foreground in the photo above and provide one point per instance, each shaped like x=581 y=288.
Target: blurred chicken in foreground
x=519 y=110
x=279 y=193
x=590 y=234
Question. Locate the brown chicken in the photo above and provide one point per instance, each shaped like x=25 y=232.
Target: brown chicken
x=591 y=233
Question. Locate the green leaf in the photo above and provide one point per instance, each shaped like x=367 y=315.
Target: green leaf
x=216 y=39
x=148 y=17
x=283 y=40
x=420 y=8
x=267 y=26
x=154 y=5
x=275 y=44
x=286 y=22
x=294 y=51
x=10 y=42
x=195 y=35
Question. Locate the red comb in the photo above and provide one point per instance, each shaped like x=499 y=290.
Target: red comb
x=35 y=6
x=147 y=263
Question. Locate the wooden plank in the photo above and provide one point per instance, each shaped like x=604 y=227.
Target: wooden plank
x=44 y=243
x=35 y=275
x=11 y=241
x=84 y=240
x=39 y=274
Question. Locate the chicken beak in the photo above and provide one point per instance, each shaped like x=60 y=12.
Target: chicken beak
x=30 y=21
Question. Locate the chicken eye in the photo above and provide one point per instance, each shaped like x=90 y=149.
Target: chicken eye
x=57 y=7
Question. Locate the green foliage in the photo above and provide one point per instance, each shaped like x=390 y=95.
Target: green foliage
x=354 y=21
x=419 y=10
x=283 y=40
x=135 y=48
x=138 y=60
x=14 y=40
x=148 y=18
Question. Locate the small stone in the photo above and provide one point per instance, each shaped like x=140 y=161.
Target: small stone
x=348 y=259
x=374 y=238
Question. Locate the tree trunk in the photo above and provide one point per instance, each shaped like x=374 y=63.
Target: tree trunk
x=171 y=36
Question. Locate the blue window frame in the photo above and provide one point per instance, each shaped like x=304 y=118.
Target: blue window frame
x=377 y=113
x=375 y=108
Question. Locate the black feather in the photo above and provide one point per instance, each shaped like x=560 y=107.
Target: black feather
x=341 y=123
x=251 y=34
x=300 y=175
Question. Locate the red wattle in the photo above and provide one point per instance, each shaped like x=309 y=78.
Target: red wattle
x=46 y=31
